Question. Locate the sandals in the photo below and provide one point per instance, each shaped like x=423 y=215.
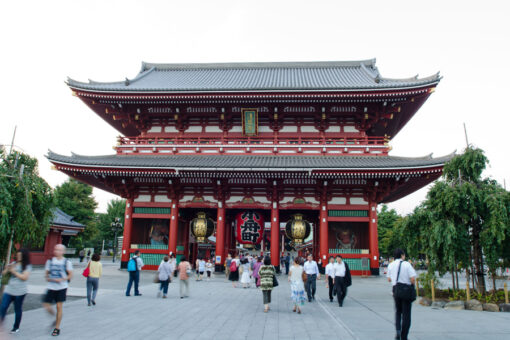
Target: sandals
x=56 y=332
x=294 y=309
x=266 y=310
x=299 y=311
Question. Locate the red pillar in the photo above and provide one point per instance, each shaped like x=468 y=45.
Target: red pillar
x=128 y=227
x=323 y=233
x=220 y=233
x=275 y=235
x=174 y=222
x=373 y=241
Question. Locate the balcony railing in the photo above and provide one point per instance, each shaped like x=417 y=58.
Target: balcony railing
x=298 y=144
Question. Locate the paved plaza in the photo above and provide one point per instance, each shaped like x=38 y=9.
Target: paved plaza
x=215 y=310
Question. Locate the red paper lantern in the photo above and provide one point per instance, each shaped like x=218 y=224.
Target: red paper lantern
x=249 y=227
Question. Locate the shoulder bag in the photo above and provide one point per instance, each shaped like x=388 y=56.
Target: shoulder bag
x=86 y=271
x=275 y=281
x=404 y=291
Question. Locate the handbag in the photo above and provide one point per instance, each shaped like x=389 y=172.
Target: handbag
x=275 y=281
x=402 y=290
x=5 y=278
x=86 y=271
x=304 y=276
x=156 y=278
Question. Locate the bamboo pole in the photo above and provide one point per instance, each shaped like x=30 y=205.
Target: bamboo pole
x=433 y=290
x=468 y=295
x=505 y=287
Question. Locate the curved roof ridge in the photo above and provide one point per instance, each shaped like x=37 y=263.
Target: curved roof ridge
x=257 y=65
x=435 y=76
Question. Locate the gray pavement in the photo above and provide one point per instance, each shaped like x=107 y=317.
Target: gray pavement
x=215 y=310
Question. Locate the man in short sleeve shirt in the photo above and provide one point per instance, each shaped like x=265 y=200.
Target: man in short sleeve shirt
x=59 y=272
x=407 y=276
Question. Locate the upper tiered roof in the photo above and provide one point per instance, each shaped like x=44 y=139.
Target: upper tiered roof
x=268 y=76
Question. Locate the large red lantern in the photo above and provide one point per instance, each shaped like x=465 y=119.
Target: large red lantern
x=249 y=227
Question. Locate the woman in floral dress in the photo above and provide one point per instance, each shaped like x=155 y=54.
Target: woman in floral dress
x=297 y=286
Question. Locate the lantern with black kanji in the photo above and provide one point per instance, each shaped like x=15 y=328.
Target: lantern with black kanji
x=202 y=227
x=249 y=227
x=297 y=229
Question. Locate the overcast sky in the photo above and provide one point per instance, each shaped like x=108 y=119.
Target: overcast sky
x=43 y=42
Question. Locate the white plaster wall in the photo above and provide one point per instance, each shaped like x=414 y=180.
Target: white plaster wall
x=143 y=198
x=171 y=128
x=155 y=129
x=358 y=200
x=338 y=200
x=161 y=198
x=350 y=128
x=212 y=128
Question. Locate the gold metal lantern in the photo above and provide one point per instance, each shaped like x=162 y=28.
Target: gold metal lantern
x=297 y=229
x=202 y=227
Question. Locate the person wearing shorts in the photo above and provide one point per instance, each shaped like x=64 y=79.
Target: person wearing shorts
x=59 y=272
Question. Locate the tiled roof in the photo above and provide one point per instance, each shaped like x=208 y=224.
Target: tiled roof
x=276 y=76
x=248 y=162
x=60 y=218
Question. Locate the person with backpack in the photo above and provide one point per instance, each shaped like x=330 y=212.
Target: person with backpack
x=402 y=276
x=16 y=289
x=234 y=270
x=59 y=272
x=134 y=266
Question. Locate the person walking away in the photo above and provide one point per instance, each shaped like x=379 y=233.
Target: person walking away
x=266 y=272
x=184 y=269
x=16 y=289
x=342 y=279
x=256 y=268
x=58 y=273
x=88 y=256
x=330 y=277
x=287 y=263
x=209 y=269
x=134 y=266
x=321 y=267
x=228 y=261
x=81 y=255
x=234 y=271
x=201 y=269
x=245 y=273
x=402 y=272
x=164 y=275
x=95 y=272
x=297 y=286
x=173 y=264
x=312 y=273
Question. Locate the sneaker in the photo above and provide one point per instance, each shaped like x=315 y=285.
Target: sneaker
x=138 y=294
x=93 y=302
x=14 y=330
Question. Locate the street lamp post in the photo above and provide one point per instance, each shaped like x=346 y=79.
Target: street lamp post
x=116 y=226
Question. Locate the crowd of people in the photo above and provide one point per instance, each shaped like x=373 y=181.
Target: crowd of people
x=243 y=269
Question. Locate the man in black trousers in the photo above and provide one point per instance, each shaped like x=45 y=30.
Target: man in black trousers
x=402 y=272
x=342 y=279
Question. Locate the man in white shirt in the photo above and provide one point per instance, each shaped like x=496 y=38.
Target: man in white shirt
x=407 y=275
x=330 y=277
x=342 y=279
x=312 y=273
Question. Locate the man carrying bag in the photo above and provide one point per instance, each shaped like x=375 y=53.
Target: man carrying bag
x=402 y=276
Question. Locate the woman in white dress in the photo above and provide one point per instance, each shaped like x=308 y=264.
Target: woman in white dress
x=245 y=277
x=297 y=286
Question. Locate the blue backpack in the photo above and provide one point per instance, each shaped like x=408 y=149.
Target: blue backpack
x=132 y=265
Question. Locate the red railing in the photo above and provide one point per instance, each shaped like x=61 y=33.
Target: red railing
x=245 y=141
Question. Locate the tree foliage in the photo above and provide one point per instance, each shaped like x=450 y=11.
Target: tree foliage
x=26 y=201
x=464 y=222
x=387 y=220
x=75 y=199
x=116 y=208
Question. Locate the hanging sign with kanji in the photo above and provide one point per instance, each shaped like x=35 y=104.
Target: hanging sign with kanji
x=249 y=227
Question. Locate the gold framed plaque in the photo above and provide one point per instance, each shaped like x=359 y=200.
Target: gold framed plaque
x=250 y=120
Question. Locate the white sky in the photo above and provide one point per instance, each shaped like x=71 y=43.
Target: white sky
x=43 y=42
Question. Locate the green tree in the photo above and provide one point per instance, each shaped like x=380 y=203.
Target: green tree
x=75 y=198
x=116 y=208
x=26 y=202
x=386 y=222
x=464 y=222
